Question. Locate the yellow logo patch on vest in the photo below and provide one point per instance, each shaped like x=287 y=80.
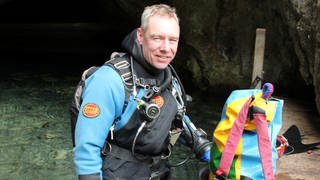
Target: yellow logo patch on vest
x=158 y=100
x=91 y=110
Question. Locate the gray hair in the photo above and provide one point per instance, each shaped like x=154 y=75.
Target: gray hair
x=157 y=9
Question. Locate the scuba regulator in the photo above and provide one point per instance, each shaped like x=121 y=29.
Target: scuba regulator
x=150 y=109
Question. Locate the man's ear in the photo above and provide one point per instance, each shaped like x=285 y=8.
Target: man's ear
x=139 y=35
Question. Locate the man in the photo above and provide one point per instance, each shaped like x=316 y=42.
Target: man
x=131 y=138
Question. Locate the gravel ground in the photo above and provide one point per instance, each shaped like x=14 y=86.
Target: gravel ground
x=305 y=165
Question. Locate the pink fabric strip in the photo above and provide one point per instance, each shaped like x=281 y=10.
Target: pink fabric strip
x=233 y=140
x=264 y=145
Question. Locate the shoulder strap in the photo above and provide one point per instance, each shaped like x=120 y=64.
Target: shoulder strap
x=264 y=144
x=186 y=98
x=233 y=140
x=120 y=63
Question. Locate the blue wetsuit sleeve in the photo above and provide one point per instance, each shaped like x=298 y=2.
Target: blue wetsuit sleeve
x=103 y=100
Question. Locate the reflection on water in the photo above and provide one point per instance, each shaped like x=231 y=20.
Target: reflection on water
x=35 y=139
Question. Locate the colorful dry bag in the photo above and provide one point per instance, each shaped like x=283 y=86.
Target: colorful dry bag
x=245 y=138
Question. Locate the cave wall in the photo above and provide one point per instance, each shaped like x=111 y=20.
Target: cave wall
x=218 y=36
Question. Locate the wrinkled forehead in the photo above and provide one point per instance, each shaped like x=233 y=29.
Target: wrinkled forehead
x=163 y=25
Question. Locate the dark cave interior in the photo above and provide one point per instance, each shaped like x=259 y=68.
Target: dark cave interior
x=66 y=37
x=59 y=36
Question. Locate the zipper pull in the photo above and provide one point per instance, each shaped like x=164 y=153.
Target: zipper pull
x=111 y=131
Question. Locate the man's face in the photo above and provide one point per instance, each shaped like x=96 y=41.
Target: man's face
x=160 y=40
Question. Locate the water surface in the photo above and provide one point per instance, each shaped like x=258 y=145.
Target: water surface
x=35 y=138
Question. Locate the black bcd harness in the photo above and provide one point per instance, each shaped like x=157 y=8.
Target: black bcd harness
x=120 y=64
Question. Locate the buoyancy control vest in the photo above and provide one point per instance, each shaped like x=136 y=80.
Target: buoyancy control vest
x=148 y=128
x=169 y=96
x=154 y=137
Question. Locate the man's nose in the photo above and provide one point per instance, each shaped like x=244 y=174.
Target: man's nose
x=165 y=45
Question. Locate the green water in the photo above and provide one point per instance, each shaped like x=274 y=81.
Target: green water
x=35 y=139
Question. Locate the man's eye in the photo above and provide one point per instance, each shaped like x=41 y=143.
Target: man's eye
x=157 y=38
x=173 y=40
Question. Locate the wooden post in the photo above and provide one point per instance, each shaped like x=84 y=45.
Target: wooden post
x=257 y=72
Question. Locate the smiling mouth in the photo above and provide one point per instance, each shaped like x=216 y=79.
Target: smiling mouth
x=164 y=57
